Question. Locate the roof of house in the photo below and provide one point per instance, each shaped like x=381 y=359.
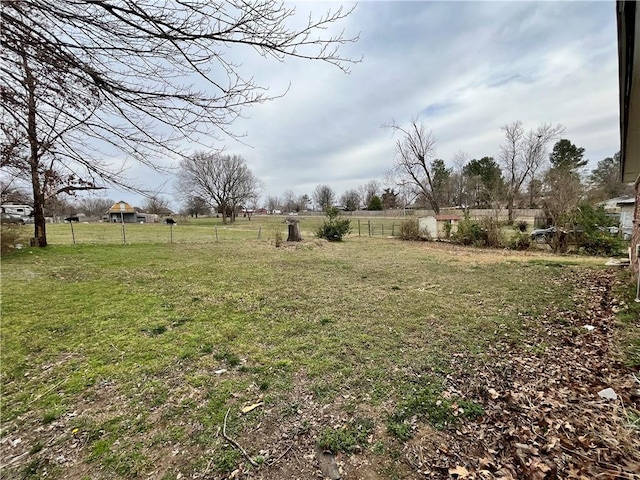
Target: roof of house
x=628 y=20
x=121 y=207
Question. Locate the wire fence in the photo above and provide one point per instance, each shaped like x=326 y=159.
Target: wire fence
x=133 y=233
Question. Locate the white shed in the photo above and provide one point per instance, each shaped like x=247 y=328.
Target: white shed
x=438 y=226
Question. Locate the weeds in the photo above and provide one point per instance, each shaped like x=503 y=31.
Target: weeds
x=348 y=439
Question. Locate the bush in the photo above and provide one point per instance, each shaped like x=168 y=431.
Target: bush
x=602 y=245
x=484 y=233
x=491 y=232
x=520 y=241
x=410 y=230
x=468 y=233
x=522 y=225
x=334 y=228
x=11 y=236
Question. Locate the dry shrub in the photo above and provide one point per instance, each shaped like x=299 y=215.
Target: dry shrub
x=12 y=235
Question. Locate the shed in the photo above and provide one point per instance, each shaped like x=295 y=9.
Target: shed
x=122 y=212
x=439 y=226
x=627 y=207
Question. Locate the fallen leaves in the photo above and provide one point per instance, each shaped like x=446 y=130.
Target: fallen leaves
x=543 y=416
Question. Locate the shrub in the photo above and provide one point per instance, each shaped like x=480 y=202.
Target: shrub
x=602 y=245
x=278 y=238
x=334 y=228
x=468 y=233
x=11 y=236
x=520 y=241
x=491 y=232
x=522 y=225
x=410 y=230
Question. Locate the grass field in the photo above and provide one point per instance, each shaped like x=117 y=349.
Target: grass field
x=122 y=360
x=203 y=230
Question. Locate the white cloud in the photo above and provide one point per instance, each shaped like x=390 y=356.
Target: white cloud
x=466 y=68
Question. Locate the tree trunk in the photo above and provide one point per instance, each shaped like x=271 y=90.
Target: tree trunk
x=294 y=233
x=510 y=209
x=39 y=221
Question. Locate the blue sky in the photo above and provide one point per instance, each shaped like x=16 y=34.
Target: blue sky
x=463 y=68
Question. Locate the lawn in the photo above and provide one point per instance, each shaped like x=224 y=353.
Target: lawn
x=203 y=230
x=120 y=361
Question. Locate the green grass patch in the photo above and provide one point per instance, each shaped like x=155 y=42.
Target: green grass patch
x=428 y=401
x=349 y=438
x=153 y=342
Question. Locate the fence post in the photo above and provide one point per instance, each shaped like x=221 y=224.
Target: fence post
x=393 y=229
x=171 y=233
x=259 y=231
x=369 y=222
x=124 y=234
x=358 y=227
x=216 y=228
x=383 y=229
x=73 y=235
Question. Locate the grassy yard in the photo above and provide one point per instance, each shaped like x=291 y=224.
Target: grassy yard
x=122 y=360
x=203 y=230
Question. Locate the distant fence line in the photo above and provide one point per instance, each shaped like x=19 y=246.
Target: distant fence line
x=135 y=233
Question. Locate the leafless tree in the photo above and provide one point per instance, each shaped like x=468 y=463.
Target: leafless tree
x=460 y=159
x=368 y=191
x=273 y=203
x=95 y=206
x=412 y=164
x=195 y=205
x=351 y=200
x=88 y=80
x=289 y=201
x=324 y=196
x=521 y=154
x=157 y=205
x=563 y=194
x=224 y=181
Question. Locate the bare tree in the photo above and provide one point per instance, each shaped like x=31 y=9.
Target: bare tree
x=195 y=205
x=157 y=205
x=224 y=181
x=368 y=191
x=563 y=193
x=523 y=153
x=460 y=159
x=273 y=203
x=85 y=79
x=324 y=196
x=95 y=206
x=412 y=164
x=351 y=200
x=289 y=201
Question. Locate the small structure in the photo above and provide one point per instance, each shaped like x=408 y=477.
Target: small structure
x=122 y=212
x=438 y=226
x=627 y=207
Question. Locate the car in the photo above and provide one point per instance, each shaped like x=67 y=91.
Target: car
x=541 y=235
x=609 y=230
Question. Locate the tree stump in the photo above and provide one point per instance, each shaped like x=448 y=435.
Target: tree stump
x=294 y=230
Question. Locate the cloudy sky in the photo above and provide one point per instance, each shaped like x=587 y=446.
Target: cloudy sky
x=463 y=68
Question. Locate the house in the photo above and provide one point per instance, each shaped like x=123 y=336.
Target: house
x=628 y=21
x=122 y=212
x=439 y=226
